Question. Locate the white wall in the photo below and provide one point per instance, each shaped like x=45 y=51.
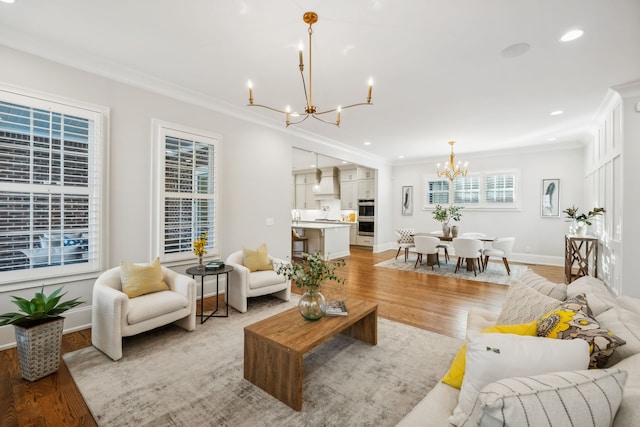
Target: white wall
x=538 y=239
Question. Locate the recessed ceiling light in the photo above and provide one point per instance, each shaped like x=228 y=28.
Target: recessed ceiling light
x=7 y=1
x=571 y=35
x=551 y=139
x=556 y=113
x=344 y=162
x=401 y=156
x=367 y=143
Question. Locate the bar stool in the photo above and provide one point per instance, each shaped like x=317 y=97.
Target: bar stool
x=295 y=238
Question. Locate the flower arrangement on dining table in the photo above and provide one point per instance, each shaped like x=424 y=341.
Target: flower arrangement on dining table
x=199 y=248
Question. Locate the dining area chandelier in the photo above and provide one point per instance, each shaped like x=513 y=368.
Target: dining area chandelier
x=452 y=170
x=310 y=110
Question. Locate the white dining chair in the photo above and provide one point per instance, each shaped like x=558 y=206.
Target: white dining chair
x=427 y=245
x=442 y=244
x=469 y=249
x=501 y=248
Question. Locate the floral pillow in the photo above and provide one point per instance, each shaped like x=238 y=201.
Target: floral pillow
x=572 y=319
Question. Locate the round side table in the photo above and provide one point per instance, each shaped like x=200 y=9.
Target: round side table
x=195 y=271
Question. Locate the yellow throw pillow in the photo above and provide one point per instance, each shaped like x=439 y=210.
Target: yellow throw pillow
x=142 y=279
x=455 y=375
x=257 y=260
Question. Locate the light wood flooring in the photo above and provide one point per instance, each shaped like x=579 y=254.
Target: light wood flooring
x=435 y=303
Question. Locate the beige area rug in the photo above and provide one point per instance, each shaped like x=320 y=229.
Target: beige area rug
x=170 y=377
x=495 y=272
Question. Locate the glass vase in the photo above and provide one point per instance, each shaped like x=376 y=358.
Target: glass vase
x=312 y=304
x=200 y=264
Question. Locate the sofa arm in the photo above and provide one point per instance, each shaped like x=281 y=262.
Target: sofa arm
x=106 y=319
x=479 y=319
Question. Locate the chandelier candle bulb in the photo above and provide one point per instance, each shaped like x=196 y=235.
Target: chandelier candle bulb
x=300 y=49
x=370 y=89
x=250 y=85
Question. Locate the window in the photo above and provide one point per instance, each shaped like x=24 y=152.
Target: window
x=486 y=190
x=187 y=196
x=51 y=176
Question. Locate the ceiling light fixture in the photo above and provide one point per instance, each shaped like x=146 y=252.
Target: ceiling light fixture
x=452 y=170
x=556 y=113
x=571 y=35
x=316 y=186
x=310 y=109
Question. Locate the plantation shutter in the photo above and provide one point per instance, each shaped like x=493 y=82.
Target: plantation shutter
x=500 y=188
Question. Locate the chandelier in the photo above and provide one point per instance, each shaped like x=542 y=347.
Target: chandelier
x=310 y=110
x=452 y=170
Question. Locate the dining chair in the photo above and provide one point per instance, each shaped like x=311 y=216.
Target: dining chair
x=469 y=249
x=427 y=245
x=405 y=241
x=502 y=248
x=442 y=245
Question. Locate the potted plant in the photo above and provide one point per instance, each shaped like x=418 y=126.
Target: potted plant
x=38 y=329
x=311 y=273
x=581 y=220
x=444 y=215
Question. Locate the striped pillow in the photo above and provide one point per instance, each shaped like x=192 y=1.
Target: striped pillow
x=578 y=398
x=544 y=286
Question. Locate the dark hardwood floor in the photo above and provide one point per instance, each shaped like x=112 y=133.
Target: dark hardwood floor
x=430 y=302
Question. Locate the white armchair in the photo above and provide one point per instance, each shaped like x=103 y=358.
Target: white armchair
x=246 y=284
x=115 y=315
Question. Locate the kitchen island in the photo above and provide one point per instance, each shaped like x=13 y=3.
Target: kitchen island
x=330 y=238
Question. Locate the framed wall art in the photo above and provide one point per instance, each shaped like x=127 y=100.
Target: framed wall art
x=550 y=198
x=407 y=200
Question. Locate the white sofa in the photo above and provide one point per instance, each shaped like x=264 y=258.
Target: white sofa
x=246 y=284
x=115 y=315
x=620 y=315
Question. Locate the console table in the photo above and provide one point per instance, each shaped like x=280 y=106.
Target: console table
x=578 y=252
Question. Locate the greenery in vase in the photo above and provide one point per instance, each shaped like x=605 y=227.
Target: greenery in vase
x=40 y=307
x=572 y=213
x=442 y=214
x=312 y=271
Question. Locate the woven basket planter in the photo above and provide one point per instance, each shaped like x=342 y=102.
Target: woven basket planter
x=39 y=347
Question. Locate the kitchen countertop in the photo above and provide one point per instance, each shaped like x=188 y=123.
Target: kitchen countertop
x=320 y=225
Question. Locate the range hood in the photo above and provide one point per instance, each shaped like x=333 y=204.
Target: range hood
x=329 y=187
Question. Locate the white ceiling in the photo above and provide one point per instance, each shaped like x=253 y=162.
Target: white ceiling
x=437 y=64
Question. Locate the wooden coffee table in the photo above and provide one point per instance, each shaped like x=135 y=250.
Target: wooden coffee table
x=273 y=347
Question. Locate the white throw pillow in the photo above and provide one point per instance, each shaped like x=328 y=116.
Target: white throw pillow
x=626 y=325
x=577 y=398
x=544 y=286
x=524 y=304
x=492 y=357
x=598 y=295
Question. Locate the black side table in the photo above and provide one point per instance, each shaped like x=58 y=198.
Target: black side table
x=195 y=271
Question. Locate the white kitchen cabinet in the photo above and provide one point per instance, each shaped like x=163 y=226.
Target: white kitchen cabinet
x=349 y=195
x=365 y=240
x=353 y=234
x=304 y=195
x=366 y=173
x=366 y=189
x=348 y=175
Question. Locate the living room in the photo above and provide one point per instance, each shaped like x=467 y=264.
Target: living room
x=255 y=166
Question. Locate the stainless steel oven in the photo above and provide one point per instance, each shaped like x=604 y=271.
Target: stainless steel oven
x=366 y=209
x=365 y=227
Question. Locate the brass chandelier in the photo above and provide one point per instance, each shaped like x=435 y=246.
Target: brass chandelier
x=452 y=170
x=310 y=110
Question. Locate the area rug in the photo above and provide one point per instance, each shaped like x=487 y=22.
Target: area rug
x=495 y=272
x=170 y=377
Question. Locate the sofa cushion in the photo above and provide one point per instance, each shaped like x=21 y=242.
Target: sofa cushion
x=544 y=286
x=572 y=319
x=626 y=325
x=261 y=279
x=455 y=374
x=491 y=357
x=154 y=305
x=628 y=303
x=577 y=398
x=598 y=295
x=257 y=260
x=141 y=279
x=524 y=304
